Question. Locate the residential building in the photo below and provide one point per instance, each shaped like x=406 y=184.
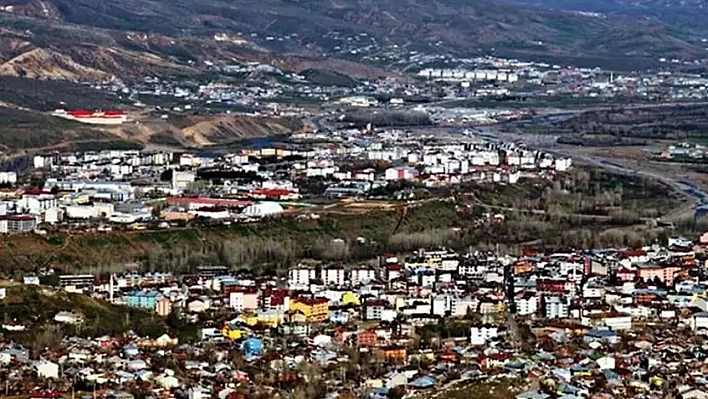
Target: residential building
x=17 y=224
x=314 y=309
x=146 y=299
x=480 y=335
x=333 y=276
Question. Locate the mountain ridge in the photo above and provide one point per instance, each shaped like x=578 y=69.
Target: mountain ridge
x=92 y=39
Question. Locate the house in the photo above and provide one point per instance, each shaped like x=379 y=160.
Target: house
x=339 y=317
x=30 y=280
x=277 y=299
x=367 y=338
x=665 y=274
x=17 y=223
x=314 y=309
x=243 y=299
x=145 y=299
x=271 y=318
x=197 y=306
x=556 y=307
x=394 y=354
x=296 y=329
x=68 y=318
x=694 y=393
x=699 y=321
x=165 y=340
x=612 y=320
x=602 y=335
x=527 y=304
x=606 y=363
x=377 y=309
x=479 y=335
x=163 y=307
x=299 y=277
x=362 y=275
x=423 y=382
x=232 y=331
x=396 y=379
x=46 y=369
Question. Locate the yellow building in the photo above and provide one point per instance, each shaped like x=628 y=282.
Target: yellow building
x=314 y=309
x=231 y=332
x=271 y=318
x=350 y=298
x=250 y=320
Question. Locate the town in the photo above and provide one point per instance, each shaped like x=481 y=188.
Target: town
x=600 y=323
x=353 y=199
x=159 y=190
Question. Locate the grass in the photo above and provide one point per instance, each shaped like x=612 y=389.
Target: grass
x=20 y=129
x=35 y=305
x=48 y=95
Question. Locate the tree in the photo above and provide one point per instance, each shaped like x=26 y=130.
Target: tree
x=397 y=393
x=48 y=336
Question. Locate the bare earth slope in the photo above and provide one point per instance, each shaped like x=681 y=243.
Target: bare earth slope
x=99 y=38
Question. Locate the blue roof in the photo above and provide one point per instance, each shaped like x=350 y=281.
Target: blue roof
x=609 y=374
x=516 y=365
x=532 y=395
x=601 y=334
x=423 y=382
x=143 y=293
x=565 y=388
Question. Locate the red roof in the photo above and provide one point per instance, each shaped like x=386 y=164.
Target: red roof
x=313 y=301
x=81 y=113
x=271 y=192
x=46 y=393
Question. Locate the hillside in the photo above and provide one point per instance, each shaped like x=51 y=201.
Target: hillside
x=32 y=130
x=26 y=123
x=85 y=39
x=33 y=306
x=690 y=14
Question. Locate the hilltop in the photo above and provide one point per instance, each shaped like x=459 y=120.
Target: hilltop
x=89 y=40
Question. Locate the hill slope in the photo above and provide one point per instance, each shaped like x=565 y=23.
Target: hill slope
x=98 y=39
x=686 y=13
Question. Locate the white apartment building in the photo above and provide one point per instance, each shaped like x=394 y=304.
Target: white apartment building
x=362 y=276
x=333 y=276
x=556 y=307
x=480 y=335
x=299 y=277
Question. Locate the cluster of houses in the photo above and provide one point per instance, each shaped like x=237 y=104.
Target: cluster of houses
x=133 y=189
x=612 y=322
